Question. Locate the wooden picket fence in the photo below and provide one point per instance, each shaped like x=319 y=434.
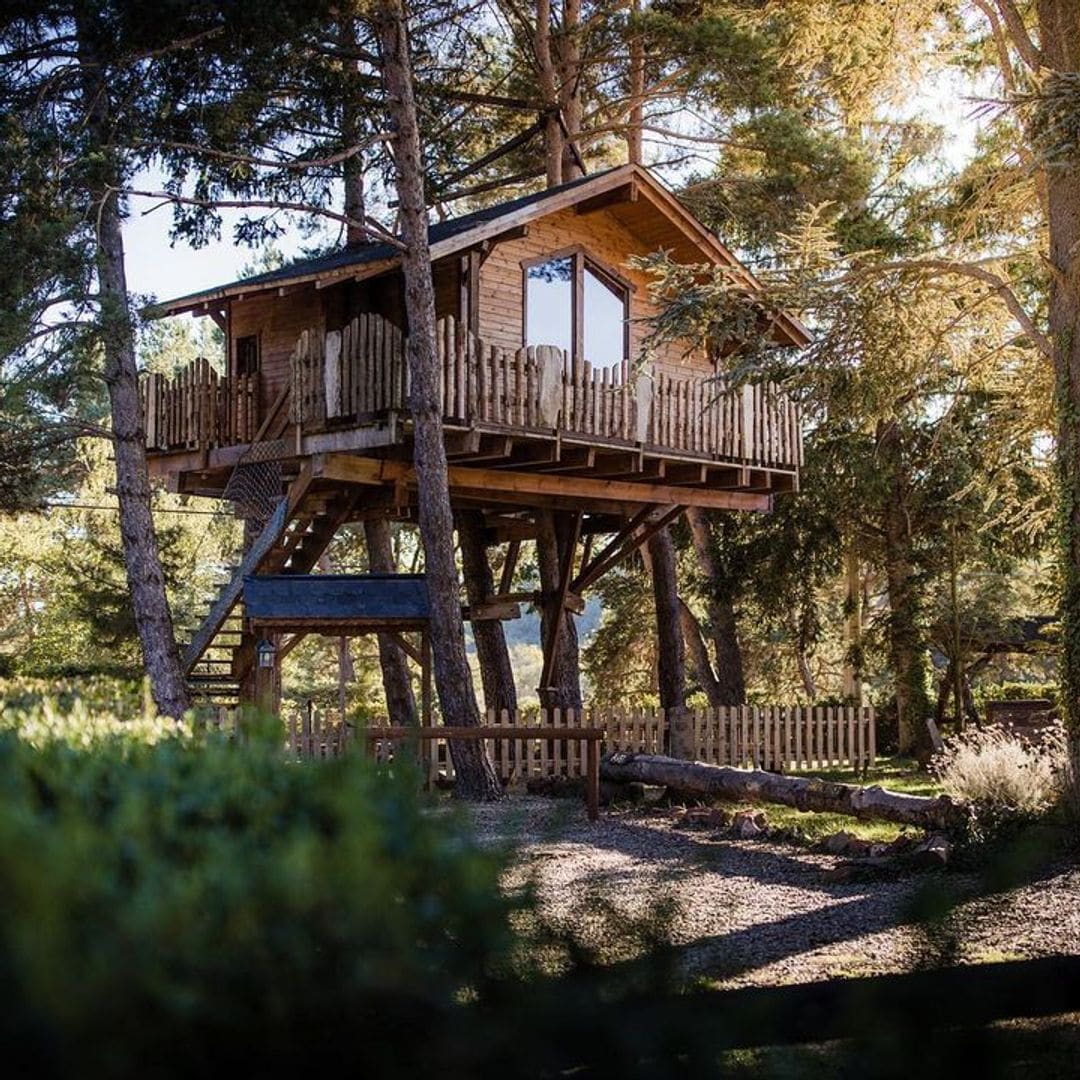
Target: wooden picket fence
x=769 y=737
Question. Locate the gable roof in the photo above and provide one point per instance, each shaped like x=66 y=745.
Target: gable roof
x=460 y=233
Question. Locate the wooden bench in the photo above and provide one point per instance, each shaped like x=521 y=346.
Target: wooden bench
x=592 y=738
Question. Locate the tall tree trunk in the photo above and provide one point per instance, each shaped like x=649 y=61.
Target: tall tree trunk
x=907 y=647
x=670 y=647
x=352 y=168
x=142 y=557
x=564 y=689
x=1059 y=38
x=730 y=678
x=549 y=94
x=853 y=649
x=698 y=655
x=570 y=87
x=346 y=674
x=636 y=92
x=476 y=778
x=397 y=685
x=805 y=672
x=496 y=673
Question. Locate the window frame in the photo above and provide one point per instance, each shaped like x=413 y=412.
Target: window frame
x=257 y=339
x=581 y=259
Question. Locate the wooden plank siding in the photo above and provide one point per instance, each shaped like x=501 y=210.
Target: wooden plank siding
x=609 y=242
x=277 y=321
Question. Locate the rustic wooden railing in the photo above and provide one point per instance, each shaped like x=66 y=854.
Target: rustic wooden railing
x=359 y=374
x=198 y=409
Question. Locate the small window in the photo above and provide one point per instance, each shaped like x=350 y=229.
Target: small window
x=566 y=289
x=247 y=355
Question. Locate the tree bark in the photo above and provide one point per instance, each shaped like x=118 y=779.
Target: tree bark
x=805 y=673
x=564 y=690
x=570 y=87
x=496 y=672
x=549 y=94
x=352 y=168
x=476 y=778
x=698 y=655
x=346 y=674
x=142 y=556
x=803 y=793
x=907 y=647
x=670 y=647
x=730 y=677
x=636 y=92
x=397 y=684
x=1059 y=39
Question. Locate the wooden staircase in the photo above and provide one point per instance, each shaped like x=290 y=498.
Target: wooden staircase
x=292 y=542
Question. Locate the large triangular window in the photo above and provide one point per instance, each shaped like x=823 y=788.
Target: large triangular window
x=574 y=303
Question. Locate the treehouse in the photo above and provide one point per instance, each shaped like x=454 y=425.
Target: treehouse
x=547 y=401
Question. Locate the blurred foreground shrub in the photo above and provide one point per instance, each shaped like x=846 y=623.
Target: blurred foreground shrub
x=186 y=907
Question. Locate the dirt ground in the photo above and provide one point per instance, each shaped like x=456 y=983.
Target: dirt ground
x=747 y=912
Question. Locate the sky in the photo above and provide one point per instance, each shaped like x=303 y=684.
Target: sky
x=156 y=268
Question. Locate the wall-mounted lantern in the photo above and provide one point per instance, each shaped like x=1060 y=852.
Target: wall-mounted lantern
x=266 y=653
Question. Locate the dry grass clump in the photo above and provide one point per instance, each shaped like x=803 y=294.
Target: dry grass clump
x=997 y=770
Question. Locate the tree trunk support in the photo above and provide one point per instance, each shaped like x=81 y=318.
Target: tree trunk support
x=555 y=623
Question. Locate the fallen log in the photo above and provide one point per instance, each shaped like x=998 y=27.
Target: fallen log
x=801 y=792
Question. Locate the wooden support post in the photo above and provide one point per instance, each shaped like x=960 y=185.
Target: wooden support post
x=267 y=680
x=566 y=570
x=627 y=541
x=592 y=780
x=509 y=566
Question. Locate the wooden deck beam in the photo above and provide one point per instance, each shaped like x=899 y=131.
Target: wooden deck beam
x=524 y=487
x=637 y=531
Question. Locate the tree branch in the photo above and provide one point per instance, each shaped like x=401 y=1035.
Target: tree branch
x=370 y=228
x=1004 y=62
x=270 y=163
x=976 y=272
x=1031 y=54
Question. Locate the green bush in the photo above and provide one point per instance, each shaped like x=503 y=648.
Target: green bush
x=92 y=696
x=1014 y=691
x=187 y=907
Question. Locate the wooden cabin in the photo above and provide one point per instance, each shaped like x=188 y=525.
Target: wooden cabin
x=546 y=400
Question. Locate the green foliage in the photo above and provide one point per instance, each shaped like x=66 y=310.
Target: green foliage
x=274 y=915
x=63 y=581
x=619 y=661
x=1014 y=691
x=1055 y=123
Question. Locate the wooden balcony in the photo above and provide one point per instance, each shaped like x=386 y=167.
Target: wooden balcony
x=360 y=376
x=346 y=381
x=199 y=409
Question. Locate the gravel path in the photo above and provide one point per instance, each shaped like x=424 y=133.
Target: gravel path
x=760 y=912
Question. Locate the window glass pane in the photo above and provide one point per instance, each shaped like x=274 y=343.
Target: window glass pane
x=549 y=303
x=605 y=322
